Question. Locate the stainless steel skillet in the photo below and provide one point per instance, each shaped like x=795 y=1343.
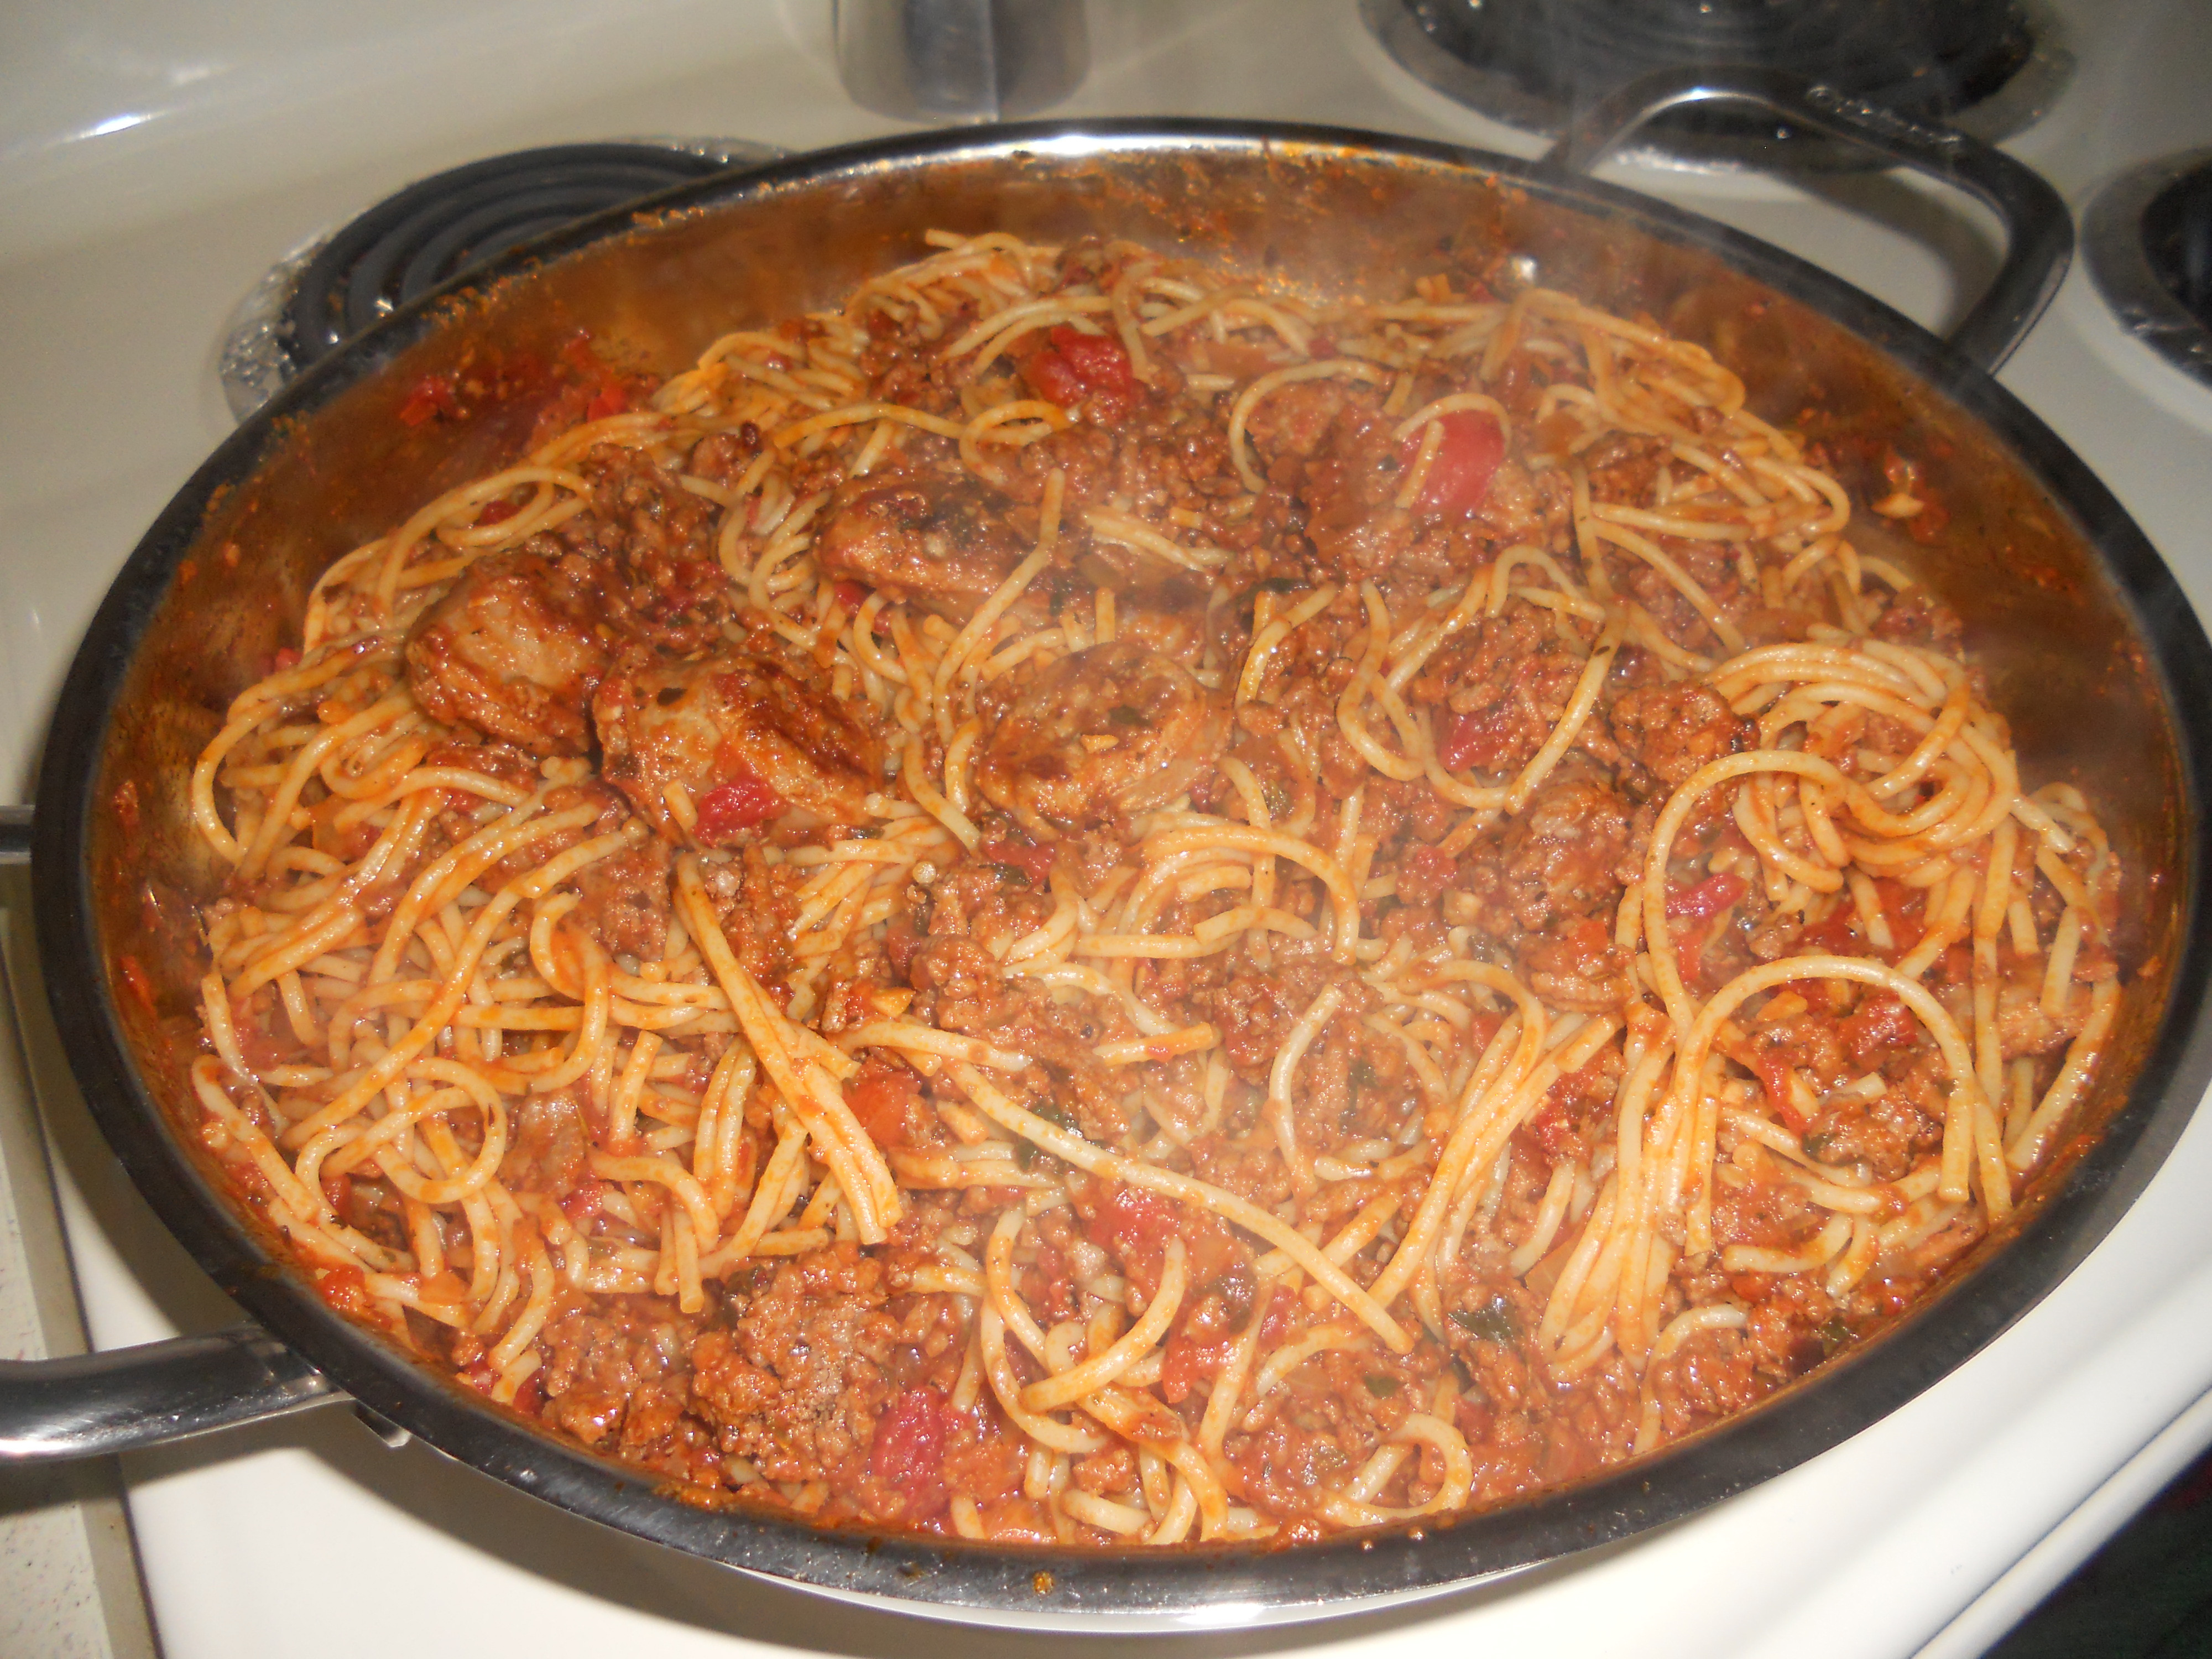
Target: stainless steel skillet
x=2091 y=649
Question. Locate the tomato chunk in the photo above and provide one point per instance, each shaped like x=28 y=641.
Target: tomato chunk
x=745 y=801
x=1708 y=898
x=881 y=1096
x=1075 y=366
x=908 y=1452
x=431 y=397
x=1033 y=861
x=1467 y=459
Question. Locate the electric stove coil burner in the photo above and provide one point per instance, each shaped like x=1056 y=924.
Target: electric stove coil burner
x=2147 y=237
x=414 y=240
x=1534 y=63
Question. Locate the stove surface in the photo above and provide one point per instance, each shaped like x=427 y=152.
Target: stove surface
x=157 y=161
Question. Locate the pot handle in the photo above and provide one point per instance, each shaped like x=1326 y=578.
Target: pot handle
x=2038 y=230
x=90 y=1405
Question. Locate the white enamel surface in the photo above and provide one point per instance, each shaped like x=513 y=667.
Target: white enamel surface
x=125 y=242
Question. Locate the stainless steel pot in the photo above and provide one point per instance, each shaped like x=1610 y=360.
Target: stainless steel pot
x=2090 y=648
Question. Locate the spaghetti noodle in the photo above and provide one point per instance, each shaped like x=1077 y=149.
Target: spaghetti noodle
x=1078 y=903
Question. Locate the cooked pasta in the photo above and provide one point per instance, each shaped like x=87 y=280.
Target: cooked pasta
x=1082 y=901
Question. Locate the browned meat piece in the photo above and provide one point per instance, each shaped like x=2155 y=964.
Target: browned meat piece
x=652 y=546
x=1495 y=691
x=1673 y=730
x=945 y=545
x=626 y=902
x=1559 y=853
x=513 y=651
x=751 y=742
x=799 y=1379
x=1113 y=730
x=619 y=1383
x=1292 y=420
x=1349 y=490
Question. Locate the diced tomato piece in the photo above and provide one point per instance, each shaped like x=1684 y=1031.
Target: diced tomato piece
x=1053 y=378
x=1478 y=738
x=499 y=511
x=881 y=1096
x=609 y=396
x=1075 y=366
x=285 y=657
x=1098 y=360
x=908 y=1452
x=432 y=397
x=1466 y=458
x=745 y=801
x=1033 y=861
x=345 y=1289
x=851 y=594
x=581 y=1202
x=1708 y=898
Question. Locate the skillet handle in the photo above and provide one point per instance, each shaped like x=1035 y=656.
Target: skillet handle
x=88 y=1406
x=2038 y=230
x=15 y=835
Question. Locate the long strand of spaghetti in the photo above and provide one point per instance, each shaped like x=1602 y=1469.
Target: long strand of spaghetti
x=666 y=1172
x=1096 y=1160
x=1229 y=1383
x=1050 y=1432
x=1277 y=630
x=986 y=615
x=866 y=1179
x=1677 y=578
x=999 y=1280
x=1140 y=1340
x=1571 y=721
x=454 y=987
x=446 y=878
x=1657 y=935
x=2035 y=1135
x=1143 y=1421
x=768 y=1202
x=305 y=765
x=1933 y=1016
x=1243 y=838
x=1282 y=1111
x=1494 y=1081
x=856 y=414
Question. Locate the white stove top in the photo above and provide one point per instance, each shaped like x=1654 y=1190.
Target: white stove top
x=154 y=161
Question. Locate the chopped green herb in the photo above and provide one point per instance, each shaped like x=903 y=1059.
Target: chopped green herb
x=1834 y=1335
x=1817 y=1142
x=1359 y=1075
x=1492 y=1321
x=1124 y=715
x=1277 y=585
x=1053 y=1112
x=1012 y=875
x=1383 y=1387
x=1278 y=799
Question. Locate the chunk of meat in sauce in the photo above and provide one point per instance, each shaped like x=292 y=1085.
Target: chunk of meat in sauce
x=626 y=902
x=658 y=575
x=798 y=1379
x=944 y=545
x=1673 y=730
x=1107 y=732
x=513 y=650
x=751 y=741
